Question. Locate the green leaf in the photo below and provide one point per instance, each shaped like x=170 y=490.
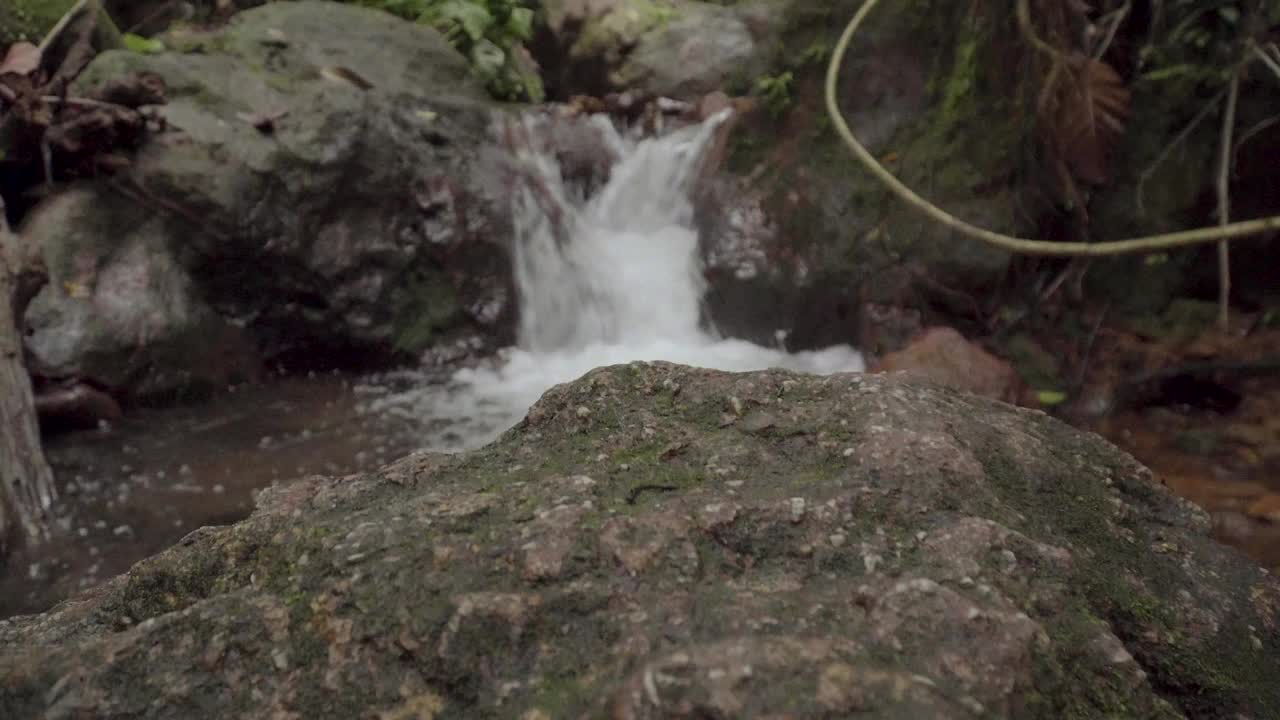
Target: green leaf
x=1172 y=71
x=474 y=19
x=142 y=45
x=520 y=24
x=1051 y=397
x=488 y=59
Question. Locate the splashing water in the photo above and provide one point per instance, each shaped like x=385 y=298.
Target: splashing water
x=602 y=280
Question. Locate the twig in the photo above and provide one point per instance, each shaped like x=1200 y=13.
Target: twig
x=1088 y=346
x=46 y=156
x=8 y=95
x=1121 y=13
x=85 y=102
x=164 y=8
x=1224 y=201
x=1270 y=62
x=1177 y=142
x=636 y=491
x=1028 y=30
x=1242 y=368
x=1249 y=134
x=143 y=197
x=1025 y=246
x=1057 y=282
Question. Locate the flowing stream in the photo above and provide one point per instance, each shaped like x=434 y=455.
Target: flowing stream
x=605 y=277
x=610 y=277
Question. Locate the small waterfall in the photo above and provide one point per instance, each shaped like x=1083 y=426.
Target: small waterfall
x=604 y=278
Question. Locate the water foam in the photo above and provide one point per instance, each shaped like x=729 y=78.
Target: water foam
x=607 y=279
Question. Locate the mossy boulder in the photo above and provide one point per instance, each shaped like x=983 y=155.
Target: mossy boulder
x=925 y=88
x=317 y=186
x=658 y=541
x=672 y=48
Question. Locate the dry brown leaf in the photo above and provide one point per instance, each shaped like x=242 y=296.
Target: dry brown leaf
x=338 y=73
x=1089 y=114
x=23 y=58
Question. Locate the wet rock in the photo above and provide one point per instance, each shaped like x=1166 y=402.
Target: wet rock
x=357 y=229
x=888 y=328
x=887 y=548
x=75 y=405
x=681 y=49
x=830 y=239
x=942 y=355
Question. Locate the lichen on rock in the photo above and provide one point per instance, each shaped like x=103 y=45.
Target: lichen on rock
x=356 y=224
x=696 y=543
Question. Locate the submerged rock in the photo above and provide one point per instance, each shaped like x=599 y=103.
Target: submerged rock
x=317 y=195
x=657 y=541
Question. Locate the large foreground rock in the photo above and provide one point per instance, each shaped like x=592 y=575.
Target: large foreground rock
x=656 y=541
x=317 y=193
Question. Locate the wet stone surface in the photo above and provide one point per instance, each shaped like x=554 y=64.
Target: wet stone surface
x=643 y=545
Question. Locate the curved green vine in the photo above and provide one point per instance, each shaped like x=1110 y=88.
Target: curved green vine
x=1024 y=246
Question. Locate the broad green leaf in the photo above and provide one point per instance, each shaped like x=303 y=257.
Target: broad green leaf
x=1170 y=72
x=520 y=24
x=142 y=45
x=1051 y=397
x=488 y=59
x=472 y=18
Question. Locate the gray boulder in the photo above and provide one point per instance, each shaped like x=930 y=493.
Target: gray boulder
x=680 y=49
x=658 y=541
x=923 y=88
x=317 y=196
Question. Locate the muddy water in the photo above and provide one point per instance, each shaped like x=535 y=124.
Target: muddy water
x=1230 y=466
x=131 y=490
x=134 y=489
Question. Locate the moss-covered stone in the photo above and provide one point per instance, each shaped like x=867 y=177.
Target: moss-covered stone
x=696 y=542
x=357 y=229
x=922 y=90
x=673 y=48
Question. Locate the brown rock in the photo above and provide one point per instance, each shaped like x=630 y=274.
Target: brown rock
x=943 y=356
x=77 y=405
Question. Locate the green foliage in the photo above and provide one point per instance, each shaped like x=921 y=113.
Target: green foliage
x=817 y=53
x=491 y=33
x=775 y=91
x=1198 y=42
x=141 y=45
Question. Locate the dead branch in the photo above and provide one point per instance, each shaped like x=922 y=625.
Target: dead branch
x=1224 y=200
x=1178 y=140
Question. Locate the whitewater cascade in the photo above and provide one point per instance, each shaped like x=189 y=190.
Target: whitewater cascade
x=609 y=278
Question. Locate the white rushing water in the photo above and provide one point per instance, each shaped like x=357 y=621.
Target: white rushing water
x=611 y=278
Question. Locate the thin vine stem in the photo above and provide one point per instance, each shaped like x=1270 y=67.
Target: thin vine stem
x=1024 y=246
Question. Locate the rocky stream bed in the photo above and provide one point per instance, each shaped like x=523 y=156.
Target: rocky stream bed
x=331 y=251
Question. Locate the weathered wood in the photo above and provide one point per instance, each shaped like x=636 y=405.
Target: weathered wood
x=26 y=482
